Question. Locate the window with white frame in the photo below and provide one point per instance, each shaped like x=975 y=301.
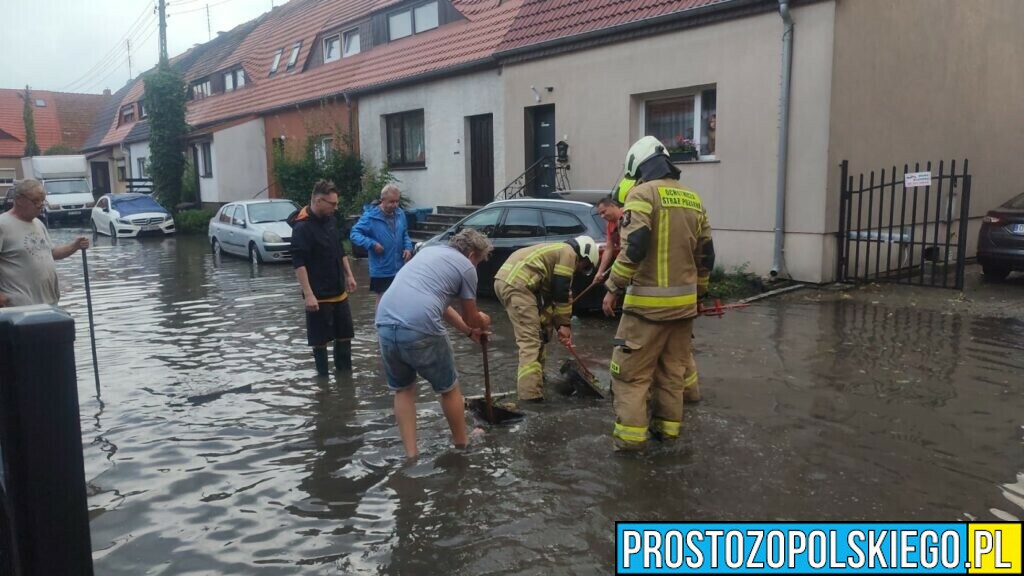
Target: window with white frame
x=127 y=114
x=142 y=110
x=350 y=43
x=234 y=79
x=332 y=48
x=141 y=163
x=685 y=122
x=413 y=20
x=277 y=62
x=322 y=148
x=7 y=176
x=201 y=89
x=206 y=152
x=295 y=55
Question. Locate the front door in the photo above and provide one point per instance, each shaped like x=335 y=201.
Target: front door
x=100 y=178
x=542 y=148
x=481 y=159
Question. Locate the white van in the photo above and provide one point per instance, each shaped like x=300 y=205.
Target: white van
x=66 y=180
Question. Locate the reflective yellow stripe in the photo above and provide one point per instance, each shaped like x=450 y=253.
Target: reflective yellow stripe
x=679 y=198
x=334 y=299
x=666 y=427
x=639 y=206
x=659 y=291
x=563 y=309
x=529 y=369
x=625 y=185
x=660 y=301
x=631 y=433
x=690 y=380
x=614 y=368
x=531 y=258
x=624 y=270
x=703 y=280
x=563 y=270
x=663 y=248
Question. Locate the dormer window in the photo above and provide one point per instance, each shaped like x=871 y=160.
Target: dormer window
x=412 y=20
x=234 y=79
x=277 y=61
x=142 y=110
x=332 y=48
x=295 y=55
x=201 y=90
x=350 y=43
x=127 y=114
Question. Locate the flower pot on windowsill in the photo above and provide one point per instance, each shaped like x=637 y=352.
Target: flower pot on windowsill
x=687 y=156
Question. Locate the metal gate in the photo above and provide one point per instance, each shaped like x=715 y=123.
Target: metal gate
x=905 y=227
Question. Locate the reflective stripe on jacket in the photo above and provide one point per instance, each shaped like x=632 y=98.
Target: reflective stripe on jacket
x=546 y=270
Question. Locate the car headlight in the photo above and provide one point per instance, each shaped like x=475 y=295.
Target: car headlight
x=90 y=204
x=53 y=206
x=271 y=238
x=123 y=221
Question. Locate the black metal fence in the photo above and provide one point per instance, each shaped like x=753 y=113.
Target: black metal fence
x=536 y=180
x=906 y=227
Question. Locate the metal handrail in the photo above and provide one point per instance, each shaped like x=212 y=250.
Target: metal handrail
x=519 y=186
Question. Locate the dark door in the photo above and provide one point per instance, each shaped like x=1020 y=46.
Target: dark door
x=541 y=120
x=481 y=159
x=100 y=178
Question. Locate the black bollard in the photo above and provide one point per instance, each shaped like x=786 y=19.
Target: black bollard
x=43 y=475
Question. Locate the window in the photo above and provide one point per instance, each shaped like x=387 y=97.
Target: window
x=238 y=218
x=405 y=137
x=414 y=19
x=207 y=153
x=562 y=224
x=239 y=79
x=121 y=173
x=142 y=110
x=295 y=55
x=685 y=123
x=351 y=43
x=127 y=114
x=102 y=204
x=520 y=223
x=483 y=221
x=234 y=80
x=322 y=148
x=277 y=61
x=225 y=213
x=201 y=89
x=7 y=177
x=40 y=103
x=332 y=48
x=141 y=163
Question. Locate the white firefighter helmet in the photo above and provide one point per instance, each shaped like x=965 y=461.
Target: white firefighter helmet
x=587 y=248
x=641 y=151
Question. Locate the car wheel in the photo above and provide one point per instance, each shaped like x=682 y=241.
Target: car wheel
x=215 y=246
x=113 y=231
x=994 y=273
x=254 y=254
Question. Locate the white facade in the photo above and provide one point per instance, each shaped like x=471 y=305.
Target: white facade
x=136 y=151
x=447 y=105
x=239 y=160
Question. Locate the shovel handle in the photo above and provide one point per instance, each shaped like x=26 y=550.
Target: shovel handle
x=487 y=382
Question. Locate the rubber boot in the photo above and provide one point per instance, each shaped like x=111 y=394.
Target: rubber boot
x=320 y=357
x=343 y=355
x=691 y=394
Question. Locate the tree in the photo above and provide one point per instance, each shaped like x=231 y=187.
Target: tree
x=59 y=149
x=165 y=104
x=31 y=148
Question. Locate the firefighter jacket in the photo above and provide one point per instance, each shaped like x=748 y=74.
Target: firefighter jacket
x=667 y=253
x=546 y=270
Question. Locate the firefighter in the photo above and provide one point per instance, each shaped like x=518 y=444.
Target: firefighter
x=661 y=271
x=533 y=286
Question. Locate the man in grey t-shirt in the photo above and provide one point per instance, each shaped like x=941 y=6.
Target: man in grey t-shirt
x=27 y=271
x=413 y=341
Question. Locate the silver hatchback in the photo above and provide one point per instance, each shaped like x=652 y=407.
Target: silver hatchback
x=253 y=229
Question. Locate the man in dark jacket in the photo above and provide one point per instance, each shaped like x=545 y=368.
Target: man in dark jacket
x=325 y=277
x=383 y=232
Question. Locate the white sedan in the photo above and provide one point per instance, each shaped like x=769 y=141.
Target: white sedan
x=129 y=215
x=256 y=229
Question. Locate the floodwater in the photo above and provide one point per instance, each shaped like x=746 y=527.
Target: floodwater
x=835 y=411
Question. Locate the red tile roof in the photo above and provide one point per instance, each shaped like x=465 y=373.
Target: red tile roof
x=545 y=20
x=66 y=119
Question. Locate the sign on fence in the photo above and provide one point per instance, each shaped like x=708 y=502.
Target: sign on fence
x=917 y=179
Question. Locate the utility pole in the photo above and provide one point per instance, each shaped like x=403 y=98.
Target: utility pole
x=128 y=44
x=209 y=32
x=162 y=7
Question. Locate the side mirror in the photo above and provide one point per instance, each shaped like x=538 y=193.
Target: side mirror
x=106 y=209
x=239 y=222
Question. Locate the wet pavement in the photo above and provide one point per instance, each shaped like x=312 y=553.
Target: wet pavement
x=841 y=409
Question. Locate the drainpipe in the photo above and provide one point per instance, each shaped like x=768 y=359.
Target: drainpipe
x=778 y=265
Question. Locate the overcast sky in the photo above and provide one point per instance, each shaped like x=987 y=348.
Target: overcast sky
x=79 y=45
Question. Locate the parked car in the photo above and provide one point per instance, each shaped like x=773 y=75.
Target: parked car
x=1001 y=240
x=8 y=203
x=514 y=224
x=129 y=215
x=255 y=229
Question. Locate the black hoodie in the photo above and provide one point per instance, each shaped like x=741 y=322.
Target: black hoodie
x=316 y=244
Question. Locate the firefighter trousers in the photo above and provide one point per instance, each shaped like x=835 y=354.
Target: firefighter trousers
x=692 y=391
x=649 y=367
x=531 y=334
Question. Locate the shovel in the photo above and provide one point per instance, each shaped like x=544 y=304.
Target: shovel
x=484 y=407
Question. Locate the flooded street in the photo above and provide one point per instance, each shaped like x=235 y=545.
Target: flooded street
x=838 y=410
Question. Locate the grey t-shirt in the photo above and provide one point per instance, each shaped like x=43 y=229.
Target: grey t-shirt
x=424 y=287
x=27 y=272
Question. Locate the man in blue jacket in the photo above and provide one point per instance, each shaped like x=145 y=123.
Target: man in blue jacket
x=383 y=232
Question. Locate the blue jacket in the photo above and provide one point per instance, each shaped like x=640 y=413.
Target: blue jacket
x=372 y=228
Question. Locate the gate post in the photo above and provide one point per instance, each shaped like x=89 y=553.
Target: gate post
x=46 y=513
x=844 y=167
x=961 y=244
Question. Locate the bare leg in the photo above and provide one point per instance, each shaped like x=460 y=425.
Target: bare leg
x=455 y=413
x=405 y=414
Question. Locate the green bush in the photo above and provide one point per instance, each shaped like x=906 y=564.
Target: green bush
x=59 y=149
x=732 y=285
x=193 y=221
x=298 y=173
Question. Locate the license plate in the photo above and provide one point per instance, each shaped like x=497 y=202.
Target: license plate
x=75 y=213
x=1017 y=229
x=150 y=228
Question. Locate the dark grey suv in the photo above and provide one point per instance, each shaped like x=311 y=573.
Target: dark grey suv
x=514 y=224
x=1001 y=240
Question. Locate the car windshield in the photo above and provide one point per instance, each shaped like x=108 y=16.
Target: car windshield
x=135 y=205
x=1015 y=204
x=54 y=187
x=270 y=211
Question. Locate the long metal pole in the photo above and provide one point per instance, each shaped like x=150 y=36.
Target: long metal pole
x=92 y=326
x=162 y=7
x=778 y=262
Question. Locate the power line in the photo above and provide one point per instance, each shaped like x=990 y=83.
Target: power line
x=200 y=8
x=96 y=84
x=114 y=62
x=116 y=51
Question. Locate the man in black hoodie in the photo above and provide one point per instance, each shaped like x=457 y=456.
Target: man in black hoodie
x=325 y=277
